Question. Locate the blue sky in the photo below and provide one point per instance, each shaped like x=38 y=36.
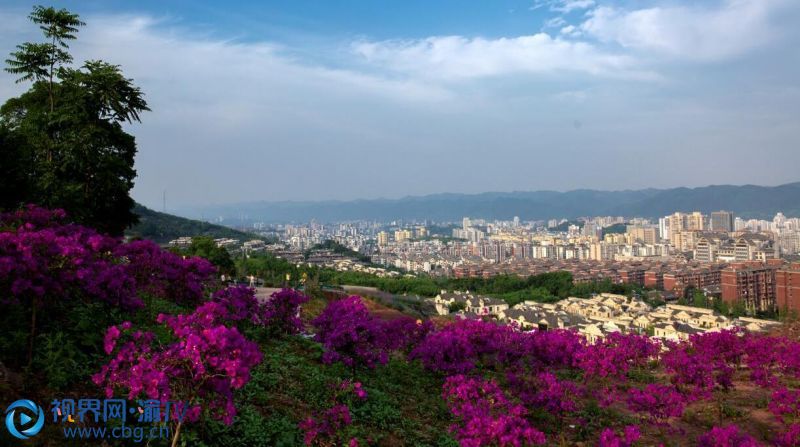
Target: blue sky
x=300 y=100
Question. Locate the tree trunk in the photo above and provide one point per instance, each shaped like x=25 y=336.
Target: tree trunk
x=177 y=433
x=32 y=335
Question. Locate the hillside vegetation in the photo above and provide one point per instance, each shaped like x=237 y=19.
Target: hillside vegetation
x=162 y=227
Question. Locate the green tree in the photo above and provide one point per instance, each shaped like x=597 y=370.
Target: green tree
x=67 y=130
x=699 y=298
x=205 y=247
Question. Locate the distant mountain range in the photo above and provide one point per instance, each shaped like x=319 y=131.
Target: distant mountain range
x=748 y=201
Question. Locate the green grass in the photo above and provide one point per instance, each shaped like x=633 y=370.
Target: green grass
x=403 y=407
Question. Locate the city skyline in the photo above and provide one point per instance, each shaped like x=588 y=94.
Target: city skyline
x=352 y=101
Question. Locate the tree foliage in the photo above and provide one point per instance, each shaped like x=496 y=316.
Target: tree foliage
x=62 y=141
x=205 y=247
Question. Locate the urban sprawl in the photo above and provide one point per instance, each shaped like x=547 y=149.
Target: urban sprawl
x=751 y=263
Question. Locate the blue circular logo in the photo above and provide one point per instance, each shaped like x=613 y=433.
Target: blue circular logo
x=15 y=425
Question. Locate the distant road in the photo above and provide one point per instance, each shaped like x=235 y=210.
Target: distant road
x=371 y=291
x=263 y=293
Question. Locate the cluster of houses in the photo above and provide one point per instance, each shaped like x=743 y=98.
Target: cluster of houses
x=598 y=316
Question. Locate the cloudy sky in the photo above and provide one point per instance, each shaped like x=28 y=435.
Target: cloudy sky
x=299 y=100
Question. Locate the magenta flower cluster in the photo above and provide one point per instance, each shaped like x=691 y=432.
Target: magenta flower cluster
x=165 y=274
x=790 y=437
x=785 y=403
x=323 y=427
x=466 y=344
x=486 y=416
x=659 y=402
x=609 y=438
x=235 y=303
x=43 y=259
x=203 y=366
x=350 y=335
x=282 y=311
x=614 y=355
x=728 y=436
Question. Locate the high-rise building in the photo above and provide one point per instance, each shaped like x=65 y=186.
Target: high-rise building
x=640 y=233
x=789 y=242
x=676 y=222
x=705 y=250
x=663 y=228
x=696 y=221
x=383 y=238
x=402 y=235
x=751 y=285
x=722 y=221
x=779 y=220
x=788 y=288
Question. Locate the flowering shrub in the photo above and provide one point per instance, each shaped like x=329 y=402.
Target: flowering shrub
x=203 y=366
x=789 y=438
x=465 y=344
x=608 y=438
x=554 y=349
x=350 y=334
x=237 y=303
x=705 y=361
x=659 y=402
x=44 y=258
x=282 y=311
x=32 y=217
x=785 y=402
x=769 y=358
x=48 y=261
x=165 y=274
x=324 y=427
x=49 y=265
x=729 y=436
x=557 y=396
x=486 y=416
x=405 y=333
x=616 y=354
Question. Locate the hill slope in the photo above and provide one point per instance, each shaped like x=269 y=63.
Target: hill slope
x=746 y=201
x=162 y=228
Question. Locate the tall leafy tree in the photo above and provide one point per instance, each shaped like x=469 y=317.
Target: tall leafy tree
x=64 y=136
x=205 y=247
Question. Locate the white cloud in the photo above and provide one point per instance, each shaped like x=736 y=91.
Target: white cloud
x=570 y=30
x=555 y=22
x=563 y=6
x=697 y=32
x=457 y=57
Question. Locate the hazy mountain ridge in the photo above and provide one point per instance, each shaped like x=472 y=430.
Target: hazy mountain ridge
x=746 y=200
